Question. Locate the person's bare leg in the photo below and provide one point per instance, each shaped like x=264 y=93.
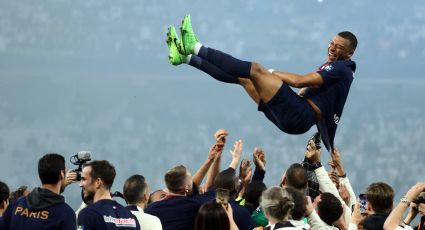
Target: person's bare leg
x=266 y=85
x=247 y=84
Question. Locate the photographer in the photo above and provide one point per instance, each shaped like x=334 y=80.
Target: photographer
x=394 y=220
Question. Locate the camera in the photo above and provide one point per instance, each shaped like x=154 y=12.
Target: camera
x=420 y=199
x=79 y=159
x=316 y=139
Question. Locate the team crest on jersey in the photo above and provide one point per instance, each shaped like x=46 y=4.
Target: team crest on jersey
x=328 y=68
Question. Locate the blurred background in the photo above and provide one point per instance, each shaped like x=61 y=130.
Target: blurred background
x=93 y=75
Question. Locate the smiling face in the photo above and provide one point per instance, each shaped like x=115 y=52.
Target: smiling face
x=87 y=184
x=339 y=49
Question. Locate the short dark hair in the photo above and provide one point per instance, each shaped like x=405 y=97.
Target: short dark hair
x=298 y=212
x=296 y=176
x=4 y=193
x=103 y=170
x=226 y=179
x=329 y=208
x=350 y=37
x=212 y=216
x=175 y=179
x=253 y=192
x=380 y=196
x=50 y=167
x=134 y=189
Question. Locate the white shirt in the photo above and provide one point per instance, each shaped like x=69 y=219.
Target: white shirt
x=147 y=221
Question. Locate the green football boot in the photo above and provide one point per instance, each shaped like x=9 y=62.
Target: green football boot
x=173 y=42
x=188 y=36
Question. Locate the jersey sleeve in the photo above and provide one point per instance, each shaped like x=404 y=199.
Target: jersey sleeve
x=332 y=72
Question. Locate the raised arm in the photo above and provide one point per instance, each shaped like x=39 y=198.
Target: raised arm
x=325 y=183
x=259 y=159
x=236 y=153
x=220 y=138
x=202 y=171
x=299 y=81
x=342 y=175
x=245 y=174
x=396 y=215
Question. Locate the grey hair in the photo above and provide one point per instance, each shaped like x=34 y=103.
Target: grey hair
x=277 y=202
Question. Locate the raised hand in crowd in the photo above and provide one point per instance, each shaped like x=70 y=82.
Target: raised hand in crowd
x=245 y=175
x=220 y=141
x=394 y=220
x=312 y=153
x=220 y=136
x=245 y=171
x=215 y=150
x=336 y=163
x=259 y=158
x=236 y=154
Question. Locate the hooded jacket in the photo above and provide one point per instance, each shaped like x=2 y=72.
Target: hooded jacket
x=41 y=209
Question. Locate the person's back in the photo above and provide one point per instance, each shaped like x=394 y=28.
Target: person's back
x=175 y=212
x=41 y=209
x=44 y=207
x=135 y=191
x=107 y=214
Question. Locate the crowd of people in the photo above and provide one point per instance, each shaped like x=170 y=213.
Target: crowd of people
x=308 y=197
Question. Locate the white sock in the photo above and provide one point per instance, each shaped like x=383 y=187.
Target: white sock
x=197 y=48
x=187 y=58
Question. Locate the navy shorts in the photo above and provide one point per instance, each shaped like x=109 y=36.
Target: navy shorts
x=289 y=112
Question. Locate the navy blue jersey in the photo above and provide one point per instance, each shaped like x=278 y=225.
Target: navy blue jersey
x=175 y=212
x=330 y=97
x=50 y=213
x=106 y=214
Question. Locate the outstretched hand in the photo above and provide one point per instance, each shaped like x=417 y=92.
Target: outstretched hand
x=312 y=153
x=220 y=136
x=336 y=162
x=215 y=151
x=259 y=158
x=245 y=170
x=415 y=191
x=236 y=153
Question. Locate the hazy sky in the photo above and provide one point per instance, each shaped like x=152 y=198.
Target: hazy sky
x=99 y=36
